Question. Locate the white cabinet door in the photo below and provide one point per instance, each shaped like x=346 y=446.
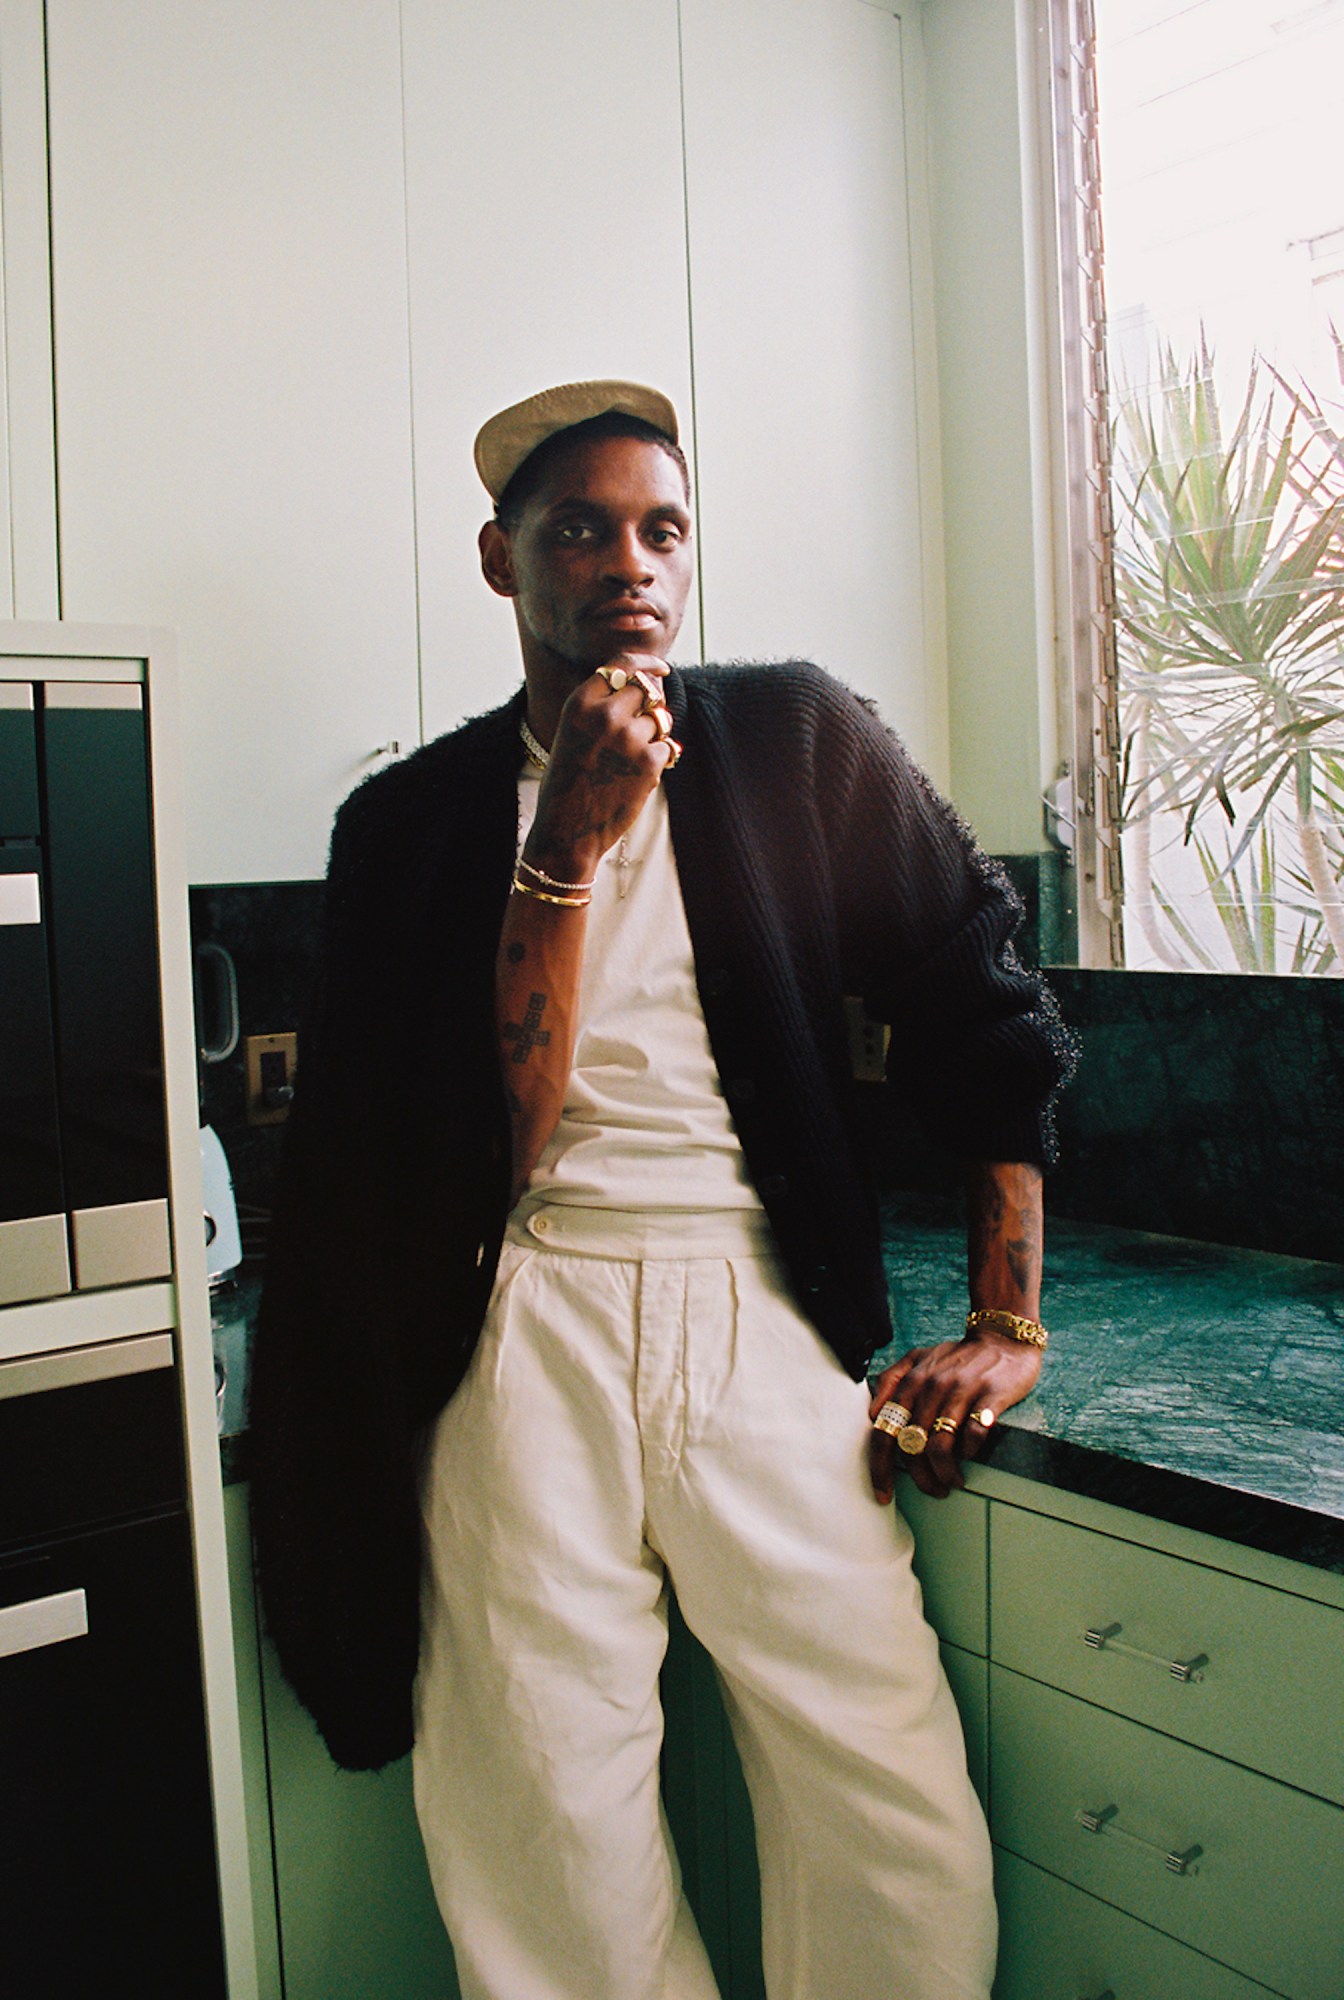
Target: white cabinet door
x=801 y=321
x=547 y=244
x=233 y=395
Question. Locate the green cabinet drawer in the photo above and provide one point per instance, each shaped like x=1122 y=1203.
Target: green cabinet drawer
x=1058 y=1944
x=1269 y=1692
x=1265 y=1893
x=951 y=1562
x=968 y=1677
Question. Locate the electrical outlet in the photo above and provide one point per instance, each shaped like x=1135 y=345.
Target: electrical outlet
x=868 y=1042
x=271 y=1061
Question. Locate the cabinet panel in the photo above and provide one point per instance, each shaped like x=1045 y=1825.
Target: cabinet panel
x=252 y=1730
x=547 y=244
x=1058 y=1944
x=951 y=1562
x=1271 y=1694
x=357 y=1914
x=968 y=1677
x=1265 y=1894
x=230 y=325
x=804 y=355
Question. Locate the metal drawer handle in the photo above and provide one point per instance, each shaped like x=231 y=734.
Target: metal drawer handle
x=43 y=1621
x=1180 y=1862
x=1106 y=1638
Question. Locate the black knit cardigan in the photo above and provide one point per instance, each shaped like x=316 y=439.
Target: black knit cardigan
x=815 y=861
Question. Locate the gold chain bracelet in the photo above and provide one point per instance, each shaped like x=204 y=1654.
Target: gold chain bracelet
x=544 y=896
x=1015 y=1325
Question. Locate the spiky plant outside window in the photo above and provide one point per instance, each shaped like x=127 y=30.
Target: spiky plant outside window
x=1229 y=569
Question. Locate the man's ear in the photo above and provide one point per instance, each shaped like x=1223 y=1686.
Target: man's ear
x=497 y=560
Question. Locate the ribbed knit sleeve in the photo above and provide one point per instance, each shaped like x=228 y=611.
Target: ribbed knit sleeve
x=977 y=1042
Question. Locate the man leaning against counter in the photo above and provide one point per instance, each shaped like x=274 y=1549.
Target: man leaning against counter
x=576 y=1273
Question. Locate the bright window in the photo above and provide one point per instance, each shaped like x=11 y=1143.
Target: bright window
x=1202 y=268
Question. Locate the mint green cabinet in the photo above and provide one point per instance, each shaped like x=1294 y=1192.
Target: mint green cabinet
x=1059 y=1944
x=1244 y=1869
x=951 y=1562
x=252 y=1729
x=1252 y=1673
x=341 y=1895
x=1166 y=1727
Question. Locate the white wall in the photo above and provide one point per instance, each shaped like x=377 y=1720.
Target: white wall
x=990 y=308
x=282 y=243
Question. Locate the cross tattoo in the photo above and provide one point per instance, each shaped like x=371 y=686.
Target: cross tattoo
x=531 y=1035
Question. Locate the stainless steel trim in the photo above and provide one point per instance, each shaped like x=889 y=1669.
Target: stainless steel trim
x=1106 y=1639
x=16 y=694
x=1180 y=1861
x=20 y=899
x=121 y=1245
x=43 y=1621
x=93 y=694
x=32 y=1374
x=34 y=1259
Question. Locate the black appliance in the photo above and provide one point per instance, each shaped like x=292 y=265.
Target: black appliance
x=107 y=1859
x=83 y=1152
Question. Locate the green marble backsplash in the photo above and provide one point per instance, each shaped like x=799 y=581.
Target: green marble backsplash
x=1206 y=1105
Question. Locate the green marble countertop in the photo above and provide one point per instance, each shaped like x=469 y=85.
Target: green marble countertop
x=1188 y=1381
x=1192 y=1381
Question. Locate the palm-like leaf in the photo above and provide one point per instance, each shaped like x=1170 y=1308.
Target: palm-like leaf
x=1229 y=564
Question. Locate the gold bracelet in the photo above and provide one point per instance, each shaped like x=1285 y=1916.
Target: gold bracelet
x=565 y=902
x=1013 y=1324
x=569 y=888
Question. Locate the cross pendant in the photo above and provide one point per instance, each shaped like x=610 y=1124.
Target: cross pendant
x=623 y=866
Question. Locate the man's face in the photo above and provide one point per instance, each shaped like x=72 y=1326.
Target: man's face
x=599 y=562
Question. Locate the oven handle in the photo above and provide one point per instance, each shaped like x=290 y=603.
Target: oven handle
x=43 y=1621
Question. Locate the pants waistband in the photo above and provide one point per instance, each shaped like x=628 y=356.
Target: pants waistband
x=636 y=1234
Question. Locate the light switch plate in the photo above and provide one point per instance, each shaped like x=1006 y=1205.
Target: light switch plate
x=271 y=1061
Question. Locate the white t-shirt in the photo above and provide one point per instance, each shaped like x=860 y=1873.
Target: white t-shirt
x=645 y=1125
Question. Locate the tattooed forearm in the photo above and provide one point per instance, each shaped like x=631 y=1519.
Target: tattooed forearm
x=986 y=1205
x=527 y=1034
x=1004 y=1235
x=1025 y=1247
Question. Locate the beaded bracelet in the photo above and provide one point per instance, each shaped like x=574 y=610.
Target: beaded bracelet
x=1015 y=1325
x=566 y=888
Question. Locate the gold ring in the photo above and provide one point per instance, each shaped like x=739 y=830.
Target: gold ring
x=653 y=694
x=891 y=1418
x=661 y=718
x=984 y=1417
x=615 y=677
x=912 y=1438
x=945 y=1424
x=674 y=753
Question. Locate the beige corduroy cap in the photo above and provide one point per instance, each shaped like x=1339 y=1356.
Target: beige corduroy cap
x=507 y=439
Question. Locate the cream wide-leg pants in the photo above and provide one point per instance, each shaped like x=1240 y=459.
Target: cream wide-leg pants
x=646 y=1403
